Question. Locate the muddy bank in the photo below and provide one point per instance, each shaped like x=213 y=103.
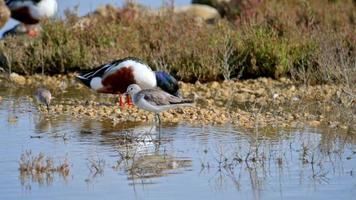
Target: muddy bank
x=250 y=104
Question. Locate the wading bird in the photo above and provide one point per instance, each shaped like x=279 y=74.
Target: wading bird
x=31 y=12
x=155 y=100
x=43 y=96
x=116 y=76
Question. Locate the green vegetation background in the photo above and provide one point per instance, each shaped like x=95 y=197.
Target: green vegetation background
x=310 y=41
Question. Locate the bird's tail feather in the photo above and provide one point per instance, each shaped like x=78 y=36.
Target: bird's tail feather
x=83 y=80
x=184 y=101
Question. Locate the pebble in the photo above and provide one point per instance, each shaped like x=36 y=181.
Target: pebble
x=12 y=119
x=243 y=103
x=314 y=123
x=17 y=79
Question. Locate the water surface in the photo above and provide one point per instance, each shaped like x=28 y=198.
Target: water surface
x=189 y=162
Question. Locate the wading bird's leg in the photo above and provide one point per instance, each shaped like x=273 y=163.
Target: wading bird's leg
x=128 y=100
x=153 y=124
x=121 y=101
x=159 y=125
x=31 y=31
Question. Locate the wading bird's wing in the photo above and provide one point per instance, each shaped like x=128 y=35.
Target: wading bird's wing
x=159 y=97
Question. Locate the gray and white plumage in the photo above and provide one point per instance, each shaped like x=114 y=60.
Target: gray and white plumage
x=155 y=100
x=44 y=96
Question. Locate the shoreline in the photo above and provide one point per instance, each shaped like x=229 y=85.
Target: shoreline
x=256 y=103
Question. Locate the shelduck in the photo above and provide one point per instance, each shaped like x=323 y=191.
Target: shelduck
x=31 y=12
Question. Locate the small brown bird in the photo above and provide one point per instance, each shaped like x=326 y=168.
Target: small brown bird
x=43 y=96
x=4 y=13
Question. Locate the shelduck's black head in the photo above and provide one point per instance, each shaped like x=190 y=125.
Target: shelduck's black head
x=167 y=83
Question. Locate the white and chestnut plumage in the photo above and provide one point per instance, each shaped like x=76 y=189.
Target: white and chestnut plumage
x=31 y=12
x=116 y=76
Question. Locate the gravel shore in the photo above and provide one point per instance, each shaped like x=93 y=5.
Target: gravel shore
x=249 y=103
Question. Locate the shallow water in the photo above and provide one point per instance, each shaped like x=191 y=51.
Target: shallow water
x=189 y=162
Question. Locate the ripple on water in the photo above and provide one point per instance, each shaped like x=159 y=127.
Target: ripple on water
x=125 y=160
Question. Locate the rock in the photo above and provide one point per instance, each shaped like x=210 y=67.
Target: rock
x=167 y=115
x=295 y=98
x=203 y=12
x=275 y=95
x=314 y=123
x=242 y=98
x=333 y=124
x=284 y=80
x=214 y=85
x=18 y=79
x=260 y=91
x=12 y=119
x=292 y=88
x=106 y=11
x=252 y=98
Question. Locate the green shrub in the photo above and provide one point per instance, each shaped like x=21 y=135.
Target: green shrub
x=272 y=45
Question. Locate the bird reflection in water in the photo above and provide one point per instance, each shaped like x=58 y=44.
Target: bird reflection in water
x=142 y=156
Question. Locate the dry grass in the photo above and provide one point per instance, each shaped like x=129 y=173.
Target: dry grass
x=259 y=157
x=41 y=164
x=41 y=169
x=96 y=166
x=273 y=39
